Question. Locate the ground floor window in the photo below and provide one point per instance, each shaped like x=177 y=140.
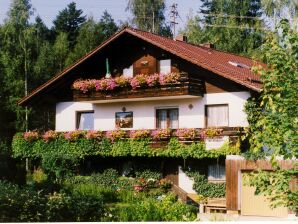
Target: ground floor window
x=85 y=120
x=167 y=118
x=216 y=172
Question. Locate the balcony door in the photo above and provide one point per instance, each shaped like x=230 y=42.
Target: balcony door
x=167 y=118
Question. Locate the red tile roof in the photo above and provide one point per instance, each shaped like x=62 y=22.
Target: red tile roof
x=218 y=62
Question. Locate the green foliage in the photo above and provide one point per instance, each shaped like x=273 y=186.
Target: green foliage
x=148 y=174
x=69 y=21
x=108 y=178
x=224 y=24
x=20 y=205
x=142 y=12
x=73 y=150
x=26 y=205
x=165 y=208
x=205 y=188
x=276 y=123
x=275 y=186
x=273 y=116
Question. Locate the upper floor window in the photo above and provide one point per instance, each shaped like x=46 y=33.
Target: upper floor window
x=167 y=118
x=165 y=66
x=217 y=115
x=85 y=120
x=128 y=72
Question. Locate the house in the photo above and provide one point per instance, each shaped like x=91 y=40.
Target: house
x=207 y=88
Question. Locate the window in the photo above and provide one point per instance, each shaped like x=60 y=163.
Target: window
x=165 y=66
x=85 y=120
x=124 y=120
x=167 y=118
x=128 y=72
x=216 y=172
x=217 y=115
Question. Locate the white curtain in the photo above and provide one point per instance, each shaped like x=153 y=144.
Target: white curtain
x=217 y=116
x=86 y=121
x=165 y=66
x=128 y=72
x=216 y=172
x=162 y=119
x=173 y=115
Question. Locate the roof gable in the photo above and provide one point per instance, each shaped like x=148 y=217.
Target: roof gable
x=218 y=62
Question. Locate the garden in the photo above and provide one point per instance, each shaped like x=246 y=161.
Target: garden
x=105 y=196
x=60 y=187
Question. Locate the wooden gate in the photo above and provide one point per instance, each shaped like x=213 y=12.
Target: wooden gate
x=258 y=205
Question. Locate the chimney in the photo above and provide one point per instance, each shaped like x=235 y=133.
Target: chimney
x=181 y=37
x=207 y=45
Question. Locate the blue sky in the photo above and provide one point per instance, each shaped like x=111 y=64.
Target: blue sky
x=48 y=9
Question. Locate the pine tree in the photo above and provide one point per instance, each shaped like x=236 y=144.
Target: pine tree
x=233 y=26
x=69 y=21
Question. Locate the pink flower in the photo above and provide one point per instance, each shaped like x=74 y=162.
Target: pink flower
x=92 y=134
x=138 y=81
x=170 y=78
x=50 y=135
x=186 y=133
x=152 y=80
x=122 y=81
x=160 y=134
x=139 y=134
x=31 y=136
x=116 y=134
x=74 y=135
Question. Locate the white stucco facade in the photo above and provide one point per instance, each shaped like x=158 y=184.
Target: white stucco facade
x=144 y=112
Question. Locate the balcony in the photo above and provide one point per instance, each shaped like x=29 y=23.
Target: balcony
x=141 y=87
x=180 y=143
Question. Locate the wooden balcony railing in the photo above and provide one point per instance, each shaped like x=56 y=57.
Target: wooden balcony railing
x=186 y=86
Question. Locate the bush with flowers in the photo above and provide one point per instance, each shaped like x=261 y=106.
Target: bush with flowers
x=122 y=81
x=159 y=134
x=139 y=81
x=139 y=134
x=93 y=134
x=115 y=135
x=31 y=136
x=50 y=135
x=212 y=132
x=187 y=133
x=170 y=78
x=152 y=80
x=74 y=135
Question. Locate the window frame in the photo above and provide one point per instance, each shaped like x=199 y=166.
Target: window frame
x=217 y=180
x=159 y=64
x=78 y=118
x=168 y=117
x=215 y=105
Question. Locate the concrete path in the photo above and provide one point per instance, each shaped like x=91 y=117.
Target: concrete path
x=224 y=217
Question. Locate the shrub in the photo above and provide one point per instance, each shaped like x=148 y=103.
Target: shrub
x=116 y=134
x=92 y=134
x=50 y=135
x=159 y=134
x=148 y=174
x=31 y=136
x=206 y=189
x=187 y=133
x=20 y=205
x=139 y=134
x=165 y=208
x=39 y=176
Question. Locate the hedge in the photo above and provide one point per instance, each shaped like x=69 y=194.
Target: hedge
x=82 y=147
